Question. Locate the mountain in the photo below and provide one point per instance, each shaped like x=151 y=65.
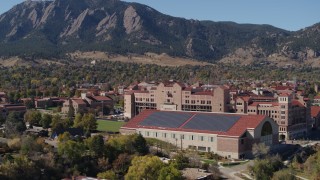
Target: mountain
x=54 y=28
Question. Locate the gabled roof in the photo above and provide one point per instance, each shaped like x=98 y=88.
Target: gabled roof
x=223 y=124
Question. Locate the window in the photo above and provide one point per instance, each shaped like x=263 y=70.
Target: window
x=211 y=139
x=201 y=138
x=203 y=102
x=155 y=134
x=187 y=96
x=208 y=102
x=283 y=106
x=168 y=100
x=283 y=117
x=187 y=101
x=201 y=148
x=242 y=141
x=164 y=135
x=147 y=133
x=283 y=112
x=182 y=136
x=173 y=136
x=191 y=137
x=193 y=101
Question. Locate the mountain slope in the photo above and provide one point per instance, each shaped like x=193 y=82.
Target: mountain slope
x=54 y=28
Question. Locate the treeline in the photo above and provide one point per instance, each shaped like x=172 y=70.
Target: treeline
x=60 y=80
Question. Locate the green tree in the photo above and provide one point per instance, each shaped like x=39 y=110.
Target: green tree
x=19 y=168
x=14 y=124
x=71 y=151
x=264 y=168
x=88 y=122
x=181 y=161
x=71 y=112
x=60 y=124
x=285 y=174
x=33 y=117
x=46 y=120
x=169 y=173
x=144 y=167
x=77 y=120
x=96 y=145
x=107 y=175
x=140 y=145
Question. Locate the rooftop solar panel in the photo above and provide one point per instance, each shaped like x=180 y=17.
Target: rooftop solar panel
x=212 y=122
x=166 y=119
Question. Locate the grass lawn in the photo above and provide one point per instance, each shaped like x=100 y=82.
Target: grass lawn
x=105 y=125
x=209 y=161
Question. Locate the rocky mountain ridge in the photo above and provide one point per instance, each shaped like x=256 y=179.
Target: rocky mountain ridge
x=54 y=28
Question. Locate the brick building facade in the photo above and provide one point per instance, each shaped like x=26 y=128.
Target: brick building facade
x=175 y=96
x=229 y=135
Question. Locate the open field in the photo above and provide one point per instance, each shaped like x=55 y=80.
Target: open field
x=148 y=58
x=105 y=125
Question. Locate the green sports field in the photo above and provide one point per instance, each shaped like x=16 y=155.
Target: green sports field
x=105 y=125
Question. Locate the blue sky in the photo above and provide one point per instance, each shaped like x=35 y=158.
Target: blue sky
x=287 y=14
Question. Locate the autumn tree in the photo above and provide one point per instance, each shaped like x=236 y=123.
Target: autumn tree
x=144 y=167
x=170 y=173
x=88 y=122
x=107 y=175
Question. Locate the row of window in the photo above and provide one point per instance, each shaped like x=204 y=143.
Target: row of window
x=194 y=102
x=145 y=99
x=177 y=136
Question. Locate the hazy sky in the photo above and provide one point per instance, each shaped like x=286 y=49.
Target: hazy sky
x=287 y=14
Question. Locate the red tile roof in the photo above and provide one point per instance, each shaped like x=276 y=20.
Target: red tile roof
x=79 y=101
x=241 y=125
x=297 y=103
x=282 y=88
x=315 y=111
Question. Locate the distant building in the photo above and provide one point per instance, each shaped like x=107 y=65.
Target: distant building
x=229 y=135
x=87 y=101
x=5 y=109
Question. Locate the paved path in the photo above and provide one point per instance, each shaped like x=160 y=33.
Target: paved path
x=230 y=172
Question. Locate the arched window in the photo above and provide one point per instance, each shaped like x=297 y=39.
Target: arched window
x=266 y=134
x=266 y=129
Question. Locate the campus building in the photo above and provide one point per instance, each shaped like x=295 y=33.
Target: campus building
x=290 y=111
x=229 y=135
x=175 y=96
